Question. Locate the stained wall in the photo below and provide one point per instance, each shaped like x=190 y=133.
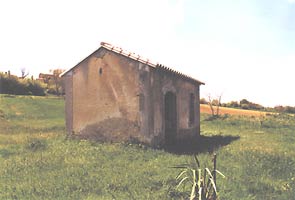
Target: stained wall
x=107 y=90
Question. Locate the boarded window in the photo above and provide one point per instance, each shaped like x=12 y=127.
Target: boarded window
x=191 y=109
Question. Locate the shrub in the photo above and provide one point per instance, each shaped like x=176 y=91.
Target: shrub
x=245 y=106
x=51 y=90
x=290 y=109
x=36 y=88
x=10 y=84
x=233 y=104
x=244 y=101
x=203 y=101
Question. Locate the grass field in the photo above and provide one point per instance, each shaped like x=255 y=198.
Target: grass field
x=37 y=161
x=204 y=108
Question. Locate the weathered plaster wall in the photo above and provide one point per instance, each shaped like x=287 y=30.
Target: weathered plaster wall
x=108 y=93
x=105 y=87
x=146 y=100
x=184 y=91
x=154 y=84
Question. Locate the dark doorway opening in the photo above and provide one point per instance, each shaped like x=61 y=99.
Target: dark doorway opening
x=170 y=118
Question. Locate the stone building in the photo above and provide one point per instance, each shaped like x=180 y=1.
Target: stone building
x=117 y=95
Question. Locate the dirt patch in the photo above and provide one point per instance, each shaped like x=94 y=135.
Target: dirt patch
x=232 y=111
x=113 y=130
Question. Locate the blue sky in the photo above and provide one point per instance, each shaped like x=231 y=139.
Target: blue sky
x=239 y=48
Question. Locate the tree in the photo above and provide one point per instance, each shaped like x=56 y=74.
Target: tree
x=244 y=101
x=56 y=80
x=214 y=104
x=233 y=104
x=245 y=104
x=24 y=73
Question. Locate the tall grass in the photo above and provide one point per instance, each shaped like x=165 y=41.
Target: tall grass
x=37 y=161
x=203 y=182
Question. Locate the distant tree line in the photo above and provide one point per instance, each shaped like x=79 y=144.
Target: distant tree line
x=285 y=109
x=244 y=104
x=45 y=84
x=248 y=105
x=10 y=84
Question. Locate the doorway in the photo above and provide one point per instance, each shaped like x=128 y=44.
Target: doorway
x=170 y=118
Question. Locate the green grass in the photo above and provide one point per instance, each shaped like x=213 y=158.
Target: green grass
x=37 y=161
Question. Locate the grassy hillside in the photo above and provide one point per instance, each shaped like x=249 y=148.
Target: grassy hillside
x=37 y=161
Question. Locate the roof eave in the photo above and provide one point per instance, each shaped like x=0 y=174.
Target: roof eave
x=67 y=71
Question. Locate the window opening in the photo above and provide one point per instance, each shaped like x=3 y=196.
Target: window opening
x=191 y=109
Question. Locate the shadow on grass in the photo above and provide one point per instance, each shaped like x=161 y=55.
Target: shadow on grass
x=201 y=145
